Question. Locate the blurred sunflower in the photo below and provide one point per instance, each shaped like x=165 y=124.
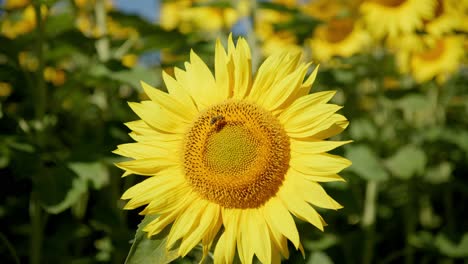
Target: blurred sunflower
x=21 y=22
x=273 y=40
x=394 y=17
x=339 y=37
x=322 y=9
x=441 y=58
x=185 y=16
x=447 y=17
x=234 y=156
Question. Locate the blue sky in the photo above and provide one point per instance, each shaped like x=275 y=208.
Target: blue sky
x=145 y=8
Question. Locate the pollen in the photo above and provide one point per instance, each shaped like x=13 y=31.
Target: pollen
x=236 y=154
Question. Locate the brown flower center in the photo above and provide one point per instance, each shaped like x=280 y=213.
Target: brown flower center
x=236 y=154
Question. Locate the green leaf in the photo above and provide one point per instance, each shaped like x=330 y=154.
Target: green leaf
x=150 y=250
x=451 y=249
x=58 y=188
x=135 y=75
x=95 y=173
x=319 y=258
x=407 y=162
x=57 y=24
x=363 y=129
x=324 y=242
x=440 y=173
x=366 y=163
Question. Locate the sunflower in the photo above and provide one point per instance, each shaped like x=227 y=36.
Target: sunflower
x=441 y=58
x=231 y=158
x=447 y=17
x=394 y=17
x=339 y=37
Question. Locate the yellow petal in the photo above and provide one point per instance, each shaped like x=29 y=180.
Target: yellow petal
x=305 y=102
x=208 y=220
x=163 y=220
x=169 y=103
x=242 y=69
x=158 y=118
x=305 y=88
x=149 y=189
x=279 y=218
x=274 y=69
x=329 y=127
x=146 y=150
x=186 y=221
x=302 y=122
x=178 y=91
x=222 y=73
x=259 y=235
x=318 y=164
x=226 y=246
x=318 y=178
x=245 y=245
x=313 y=193
x=284 y=89
x=298 y=206
x=315 y=147
x=149 y=166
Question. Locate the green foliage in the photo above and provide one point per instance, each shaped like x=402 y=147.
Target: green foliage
x=149 y=250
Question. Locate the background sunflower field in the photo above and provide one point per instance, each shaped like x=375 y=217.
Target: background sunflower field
x=68 y=68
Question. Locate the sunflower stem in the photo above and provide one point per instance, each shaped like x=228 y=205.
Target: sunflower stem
x=102 y=44
x=368 y=221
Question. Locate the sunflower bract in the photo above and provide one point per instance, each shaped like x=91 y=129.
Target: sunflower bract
x=232 y=158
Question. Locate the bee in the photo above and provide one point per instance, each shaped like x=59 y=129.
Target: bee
x=219 y=119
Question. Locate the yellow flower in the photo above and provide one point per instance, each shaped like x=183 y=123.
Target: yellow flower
x=273 y=40
x=440 y=59
x=322 y=9
x=280 y=41
x=339 y=37
x=14 y=4
x=55 y=76
x=234 y=154
x=182 y=15
x=394 y=17
x=447 y=17
x=25 y=24
x=28 y=61
x=5 y=89
x=129 y=60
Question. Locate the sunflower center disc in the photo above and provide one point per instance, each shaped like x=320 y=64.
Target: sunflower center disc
x=236 y=155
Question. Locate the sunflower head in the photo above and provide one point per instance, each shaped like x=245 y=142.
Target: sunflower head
x=231 y=158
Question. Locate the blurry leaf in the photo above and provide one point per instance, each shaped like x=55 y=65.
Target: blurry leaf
x=58 y=188
x=132 y=76
x=407 y=162
x=451 y=249
x=57 y=24
x=150 y=250
x=362 y=129
x=421 y=239
x=457 y=137
x=135 y=75
x=366 y=163
x=413 y=102
x=440 y=173
x=319 y=258
x=326 y=241
x=94 y=172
